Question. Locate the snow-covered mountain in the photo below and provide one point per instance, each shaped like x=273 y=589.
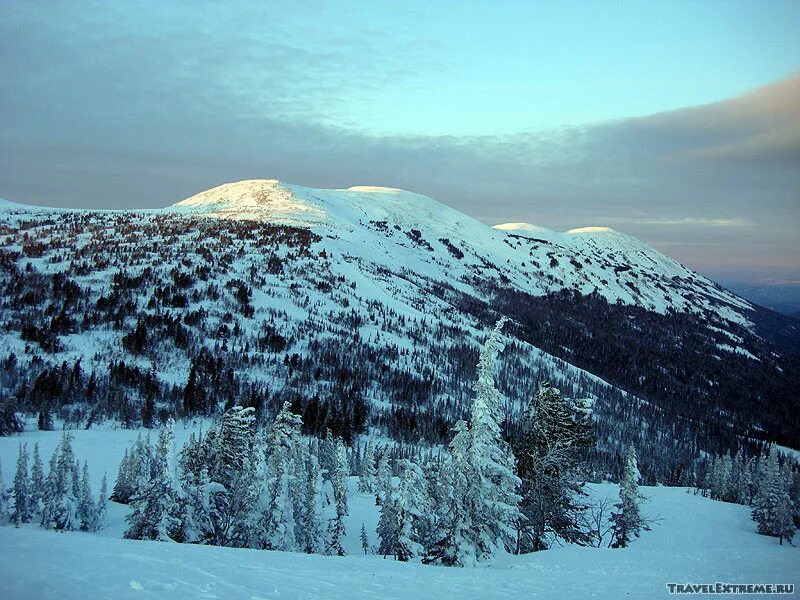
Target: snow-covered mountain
x=391 y=228
x=364 y=307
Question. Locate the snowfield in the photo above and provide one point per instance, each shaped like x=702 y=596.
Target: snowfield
x=694 y=540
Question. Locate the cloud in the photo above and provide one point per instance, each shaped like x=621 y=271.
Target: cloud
x=141 y=106
x=700 y=221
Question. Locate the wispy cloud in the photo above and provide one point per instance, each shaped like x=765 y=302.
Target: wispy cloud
x=690 y=221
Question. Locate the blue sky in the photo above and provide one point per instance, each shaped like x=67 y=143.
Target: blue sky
x=678 y=122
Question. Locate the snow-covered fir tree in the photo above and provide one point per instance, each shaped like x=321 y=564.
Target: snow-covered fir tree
x=61 y=500
x=197 y=524
x=772 y=508
x=234 y=470
x=37 y=482
x=454 y=544
x=627 y=521
x=338 y=479
x=327 y=455
x=558 y=430
x=484 y=508
x=101 y=509
x=87 y=508
x=155 y=505
x=22 y=492
x=309 y=527
x=4 y=500
x=413 y=508
x=367 y=474
x=388 y=533
x=124 y=486
x=383 y=477
x=279 y=516
x=364 y=539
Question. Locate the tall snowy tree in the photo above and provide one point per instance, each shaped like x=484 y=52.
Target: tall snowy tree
x=327 y=455
x=123 y=487
x=627 y=521
x=22 y=493
x=235 y=472
x=338 y=478
x=772 y=508
x=388 y=533
x=484 y=508
x=102 y=504
x=383 y=477
x=87 y=509
x=61 y=502
x=558 y=429
x=155 y=506
x=453 y=543
x=413 y=509
x=4 y=499
x=364 y=539
x=37 y=482
x=367 y=474
x=279 y=516
x=309 y=517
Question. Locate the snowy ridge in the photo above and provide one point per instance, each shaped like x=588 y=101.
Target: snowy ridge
x=387 y=227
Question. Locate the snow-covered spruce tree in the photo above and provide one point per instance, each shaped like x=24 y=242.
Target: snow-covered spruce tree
x=388 y=533
x=785 y=513
x=22 y=492
x=364 y=539
x=155 y=506
x=196 y=523
x=45 y=421
x=484 y=509
x=4 y=500
x=61 y=502
x=87 y=509
x=235 y=472
x=627 y=521
x=37 y=483
x=383 y=477
x=548 y=453
x=297 y=491
x=142 y=467
x=719 y=478
x=338 y=478
x=772 y=508
x=101 y=508
x=9 y=420
x=368 y=473
x=278 y=529
x=309 y=517
x=413 y=508
x=124 y=487
x=794 y=493
x=453 y=542
x=737 y=481
x=327 y=455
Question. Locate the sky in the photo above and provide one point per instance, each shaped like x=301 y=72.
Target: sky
x=677 y=122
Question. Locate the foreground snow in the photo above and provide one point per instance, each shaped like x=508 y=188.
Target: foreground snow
x=695 y=540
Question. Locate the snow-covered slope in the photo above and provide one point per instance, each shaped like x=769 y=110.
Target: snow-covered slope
x=694 y=540
x=388 y=227
x=394 y=287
